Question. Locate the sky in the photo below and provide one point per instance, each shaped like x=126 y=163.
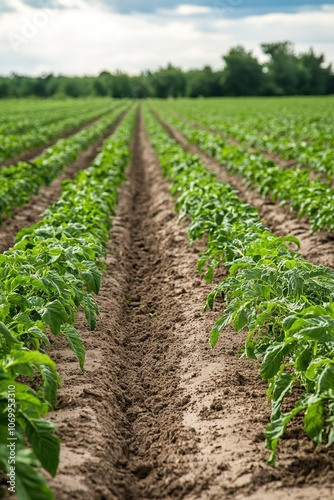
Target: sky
x=77 y=37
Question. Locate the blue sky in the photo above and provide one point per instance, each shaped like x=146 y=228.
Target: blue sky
x=87 y=36
x=233 y=7
x=149 y=6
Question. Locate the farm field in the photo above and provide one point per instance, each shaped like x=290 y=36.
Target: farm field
x=113 y=241
x=25 y=128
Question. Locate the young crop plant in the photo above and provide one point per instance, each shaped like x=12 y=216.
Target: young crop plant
x=284 y=303
x=54 y=269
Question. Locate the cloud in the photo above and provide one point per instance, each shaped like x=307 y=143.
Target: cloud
x=87 y=40
x=5 y=7
x=121 y=6
x=191 y=10
x=233 y=8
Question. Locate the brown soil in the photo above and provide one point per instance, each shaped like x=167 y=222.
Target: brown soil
x=31 y=213
x=157 y=413
x=317 y=248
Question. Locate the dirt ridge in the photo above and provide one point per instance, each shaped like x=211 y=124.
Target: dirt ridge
x=142 y=302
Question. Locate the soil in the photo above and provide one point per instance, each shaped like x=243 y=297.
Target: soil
x=31 y=213
x=158 y=414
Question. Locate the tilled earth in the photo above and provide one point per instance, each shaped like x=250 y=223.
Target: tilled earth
x=158 y=413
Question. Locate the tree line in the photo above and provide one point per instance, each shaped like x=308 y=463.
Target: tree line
x=284 y=72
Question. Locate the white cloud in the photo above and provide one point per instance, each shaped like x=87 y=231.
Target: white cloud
x=327 y=8
x=85 y=41
x=190 y=10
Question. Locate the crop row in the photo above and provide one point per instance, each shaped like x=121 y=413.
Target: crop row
x=39 y=134
x=53 y=270
x=20 y=181
x=312 y=198
x=306 y=139
x=284 y=303
x=23 y=114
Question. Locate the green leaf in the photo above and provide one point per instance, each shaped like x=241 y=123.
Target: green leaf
x=24 y=395
x=50 y=385
x=75 y=341
x=314 y=366
x=330 y=437
x=303 y=359
x=214 y=336
x=29 y=484
x=93 y=280
x=209 y=275
x=241 y=320
x=314 y=311
x=10 y=339
x=90 y=307
x=201 y=262
x=44 y=443
x=282 y=386
x=319 y=333
x=314 y=421
x=326 y=380
x=292 y=239
x=38 y=333
x=295 y=282
x=293 y=324
x=272 y=361
x=26 y=357
x=275 y=430
x=54 y=315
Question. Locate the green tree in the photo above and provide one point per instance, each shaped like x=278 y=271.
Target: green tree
x=205 y=83
x=121 y=85
x=284 y=72
x=317 y=76
x=243 y=74
x=167 y=82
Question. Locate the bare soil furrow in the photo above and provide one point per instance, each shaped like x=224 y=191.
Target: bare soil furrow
x=31 y=213
x=134 y=357
x=317 y=248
